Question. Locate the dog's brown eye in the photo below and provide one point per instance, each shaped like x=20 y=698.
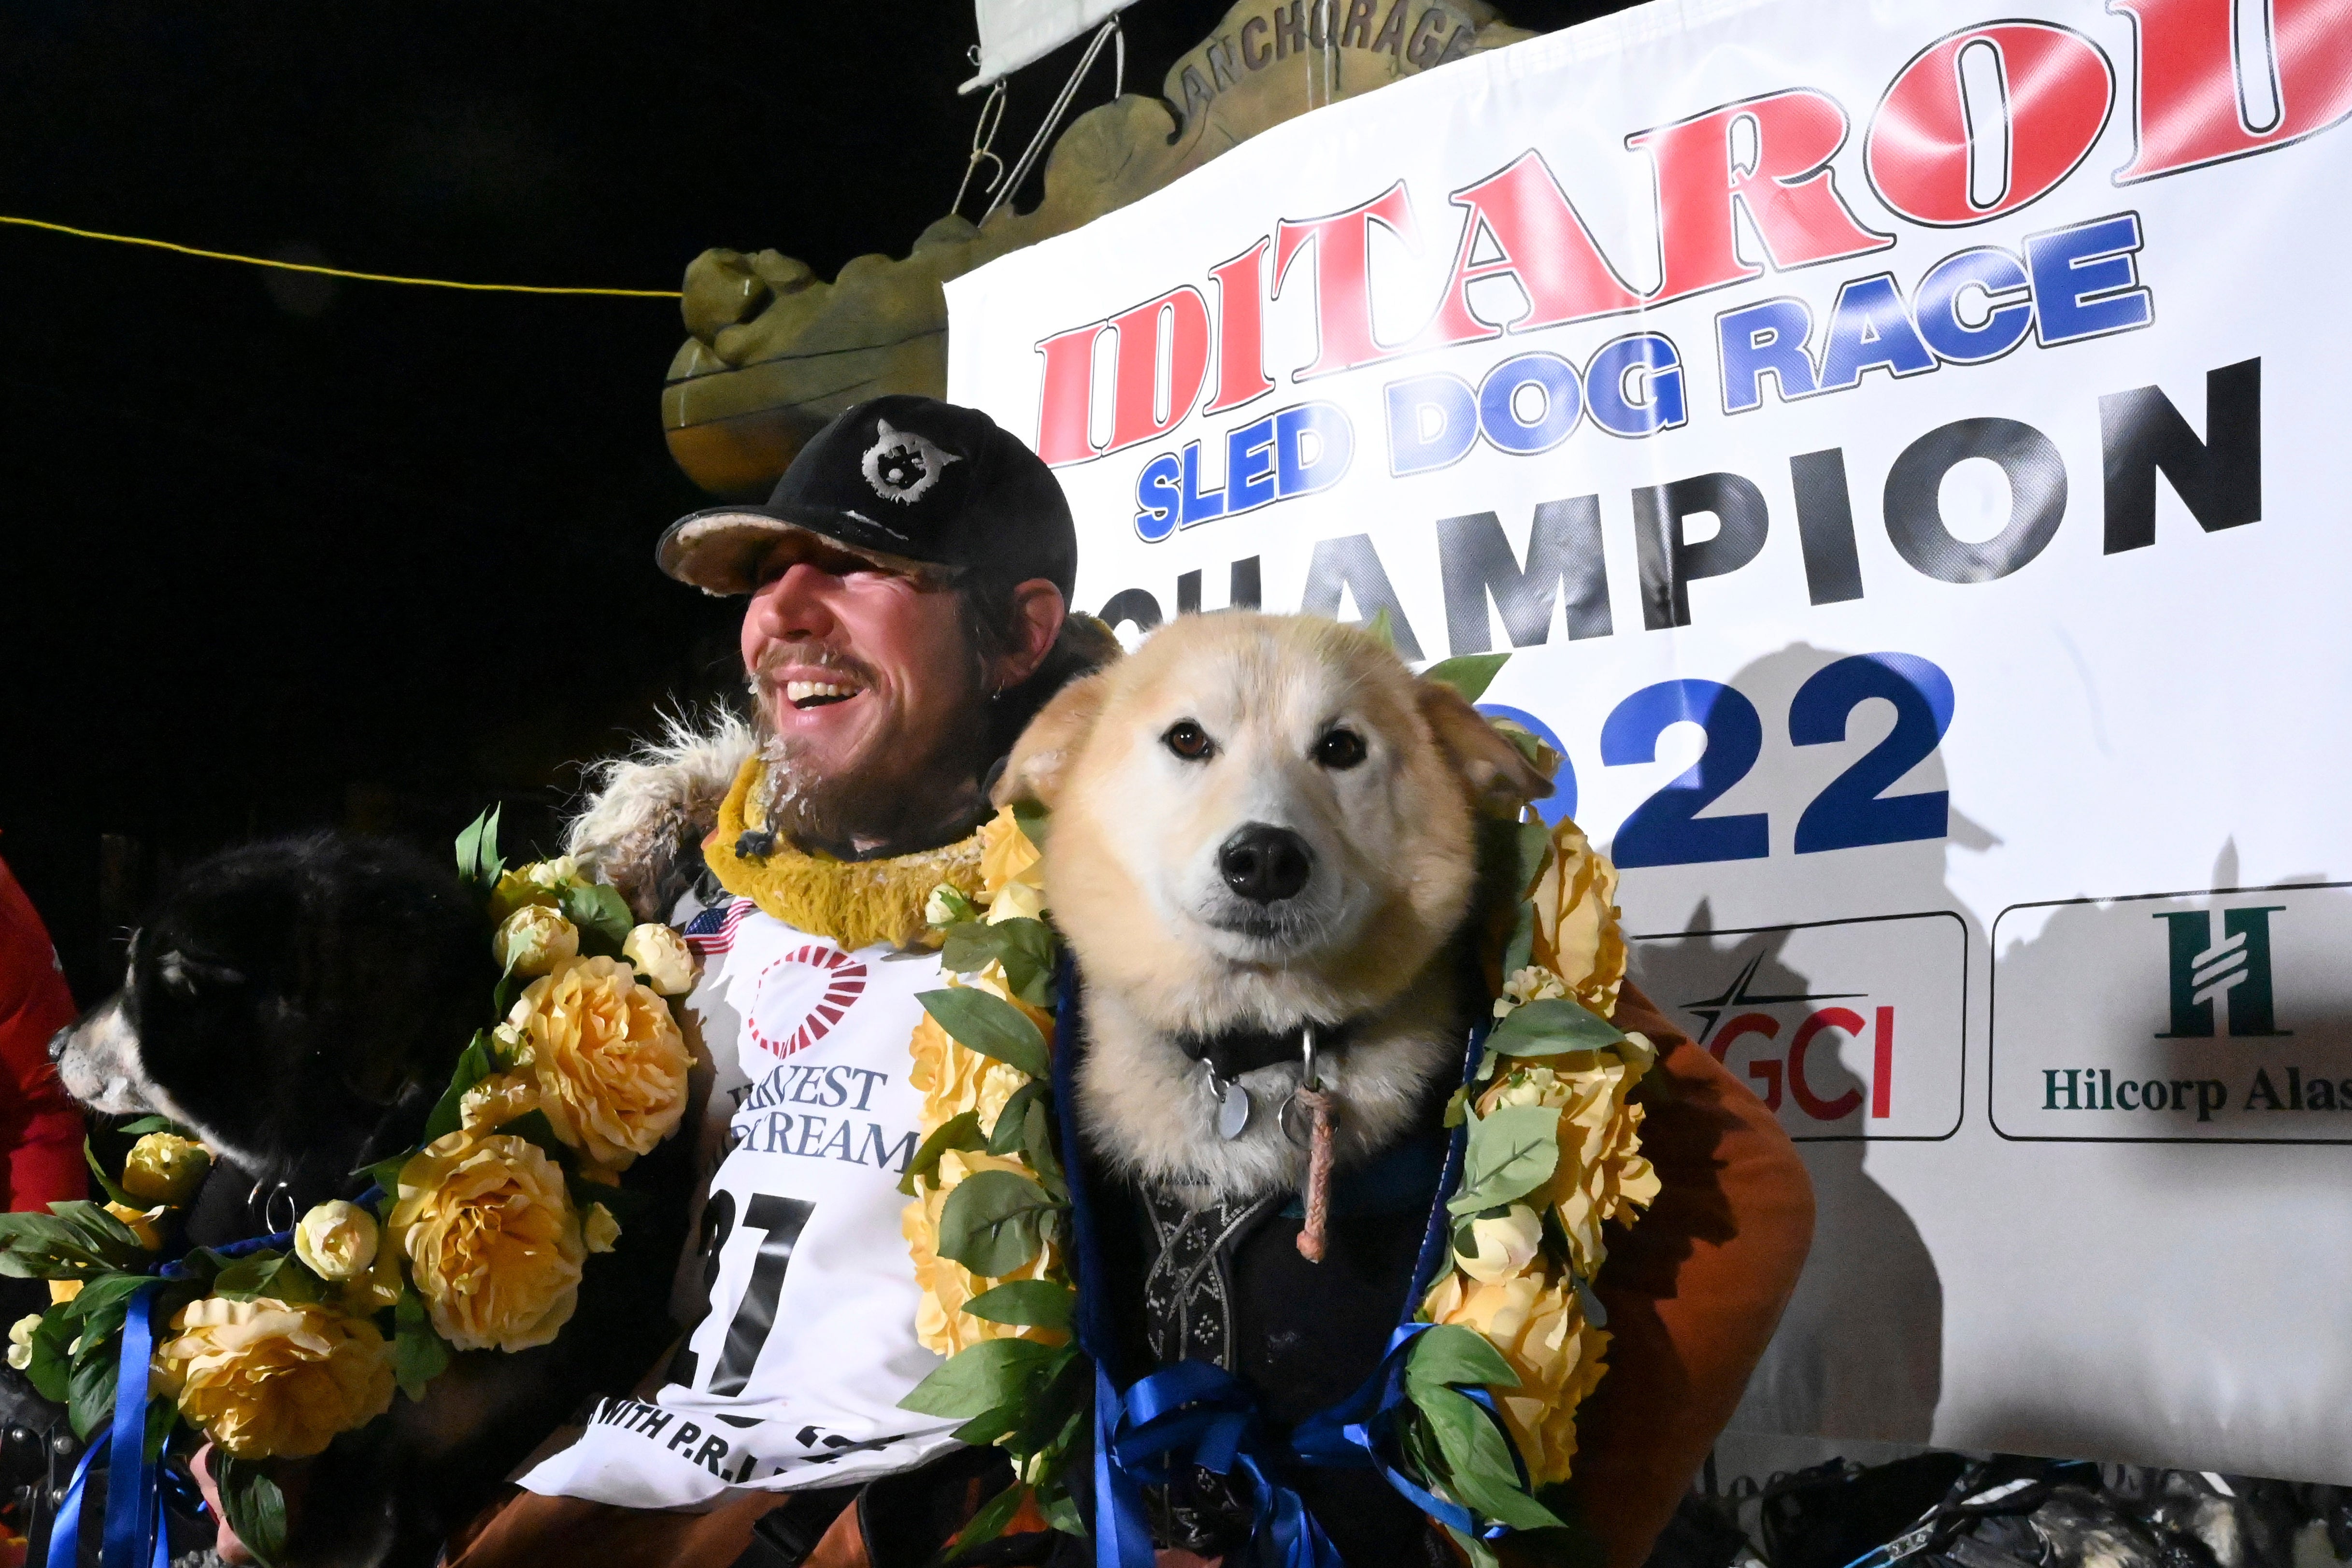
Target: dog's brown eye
x=1340 y=749
x=1189 y=741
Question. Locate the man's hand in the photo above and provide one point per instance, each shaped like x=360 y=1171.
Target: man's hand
x=230 y=1548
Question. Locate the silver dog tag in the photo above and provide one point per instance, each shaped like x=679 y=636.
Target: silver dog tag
x=1233 y=1112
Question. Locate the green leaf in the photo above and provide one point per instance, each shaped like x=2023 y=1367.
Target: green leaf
x=385 y=1174
x=163 y=1414
x=979 y=1378
x=1450 y=1353
x=991 y=1025
x=90 y=1400
x=993 y=1222
x=1024 y=946
x=1060 y=1511
x=1037 y=1148
x=256 y=1508
x=112 y=1188
x=99 y=1297
x=1047 y=1416
x=960 y=1130
x=51 y=1370
x=1478 y=1467
x=1513 y=1150
x=1458 y=1106
x=475 y=1063
x=1012 y=1121
x=602 y=915
x=146 y=1124
x=280 y=1276
x=1381 y=628
x=418 y=1354
x=478 y=852
x=1469 y=674
x=1554 y=1025
x=988 y=1523
x=1037 y=1303
x=101 y=1233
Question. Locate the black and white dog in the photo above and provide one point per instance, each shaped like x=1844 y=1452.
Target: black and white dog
x=299 y=1006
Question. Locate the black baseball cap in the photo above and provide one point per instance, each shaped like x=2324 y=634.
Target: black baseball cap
x=908 y=483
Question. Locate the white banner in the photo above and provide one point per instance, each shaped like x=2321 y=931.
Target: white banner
x=1905 y=444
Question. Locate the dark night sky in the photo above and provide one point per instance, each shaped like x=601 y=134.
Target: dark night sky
x=277 y=554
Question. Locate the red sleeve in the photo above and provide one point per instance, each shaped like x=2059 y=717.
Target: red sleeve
x=40 y=1129
x=1693 y=1291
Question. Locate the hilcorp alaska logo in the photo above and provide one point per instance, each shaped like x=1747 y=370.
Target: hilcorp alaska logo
x=1846 y=1029
x=2182 y=1038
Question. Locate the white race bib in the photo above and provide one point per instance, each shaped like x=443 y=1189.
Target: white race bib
x=792 y=1378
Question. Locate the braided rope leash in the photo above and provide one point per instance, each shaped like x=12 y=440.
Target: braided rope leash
x=1321 y=1107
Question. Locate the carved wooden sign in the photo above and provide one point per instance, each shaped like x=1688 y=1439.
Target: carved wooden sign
x=774 y=352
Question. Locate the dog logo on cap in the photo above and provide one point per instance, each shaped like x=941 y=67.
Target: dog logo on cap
x=901 y=463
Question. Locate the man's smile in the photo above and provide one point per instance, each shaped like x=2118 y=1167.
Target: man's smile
x=807 y=694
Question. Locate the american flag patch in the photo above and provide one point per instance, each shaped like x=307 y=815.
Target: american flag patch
x=713 y=931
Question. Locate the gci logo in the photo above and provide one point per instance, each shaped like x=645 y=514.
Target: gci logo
x=1784 y=1072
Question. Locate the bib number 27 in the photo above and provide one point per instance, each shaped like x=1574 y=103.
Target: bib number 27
x=779 y=1222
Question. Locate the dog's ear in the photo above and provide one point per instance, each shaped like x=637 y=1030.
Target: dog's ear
x=1041 y=757
x=1498 y=772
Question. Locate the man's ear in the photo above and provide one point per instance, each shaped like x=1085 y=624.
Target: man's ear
x=1042 y=756
x=1498 y=771
x=1038 y=611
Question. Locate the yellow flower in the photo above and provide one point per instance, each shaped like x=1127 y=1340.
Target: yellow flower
x=496 y=1101
x=541 y=882
x=947 y=905
x=20 y=1340
x=600 y=1229
x=534 y=939
x=1007 y=856
x=1539 y=1327
x=661 y=958
x=141 y=1222
x=608 y=1057
x=268 y=1379
x=1017 y=901
x=63 y=1290
x=164 y=1168
x=1533 y=984
x=1577 y=935
x=941 y=1322
x=1506 y=1244
x=952 y=1077
x=1600 y=1168
x=491 y=1240
x=374 y=1287
x=336 y=1240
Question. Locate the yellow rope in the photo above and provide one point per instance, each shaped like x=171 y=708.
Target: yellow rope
x=330 y=271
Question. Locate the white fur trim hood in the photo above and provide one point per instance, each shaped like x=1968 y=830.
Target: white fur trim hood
x=646 y=811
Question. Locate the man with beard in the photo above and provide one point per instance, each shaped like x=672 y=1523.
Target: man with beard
x=908 y=584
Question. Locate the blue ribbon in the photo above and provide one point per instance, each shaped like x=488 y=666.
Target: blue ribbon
x=134 y=1514
x=134 y=1526
x=1193 y=1412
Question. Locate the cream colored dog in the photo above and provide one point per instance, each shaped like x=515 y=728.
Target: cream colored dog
x=1261 y=822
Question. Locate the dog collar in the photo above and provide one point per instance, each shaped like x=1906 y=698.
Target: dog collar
x=1234 y=1052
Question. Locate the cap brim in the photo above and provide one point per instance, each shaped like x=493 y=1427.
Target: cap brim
x=722 y=550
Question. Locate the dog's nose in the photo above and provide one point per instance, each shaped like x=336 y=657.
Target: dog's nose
x=1264 y=864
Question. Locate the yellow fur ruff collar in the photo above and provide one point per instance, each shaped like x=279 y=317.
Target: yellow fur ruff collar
x=856 y=903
